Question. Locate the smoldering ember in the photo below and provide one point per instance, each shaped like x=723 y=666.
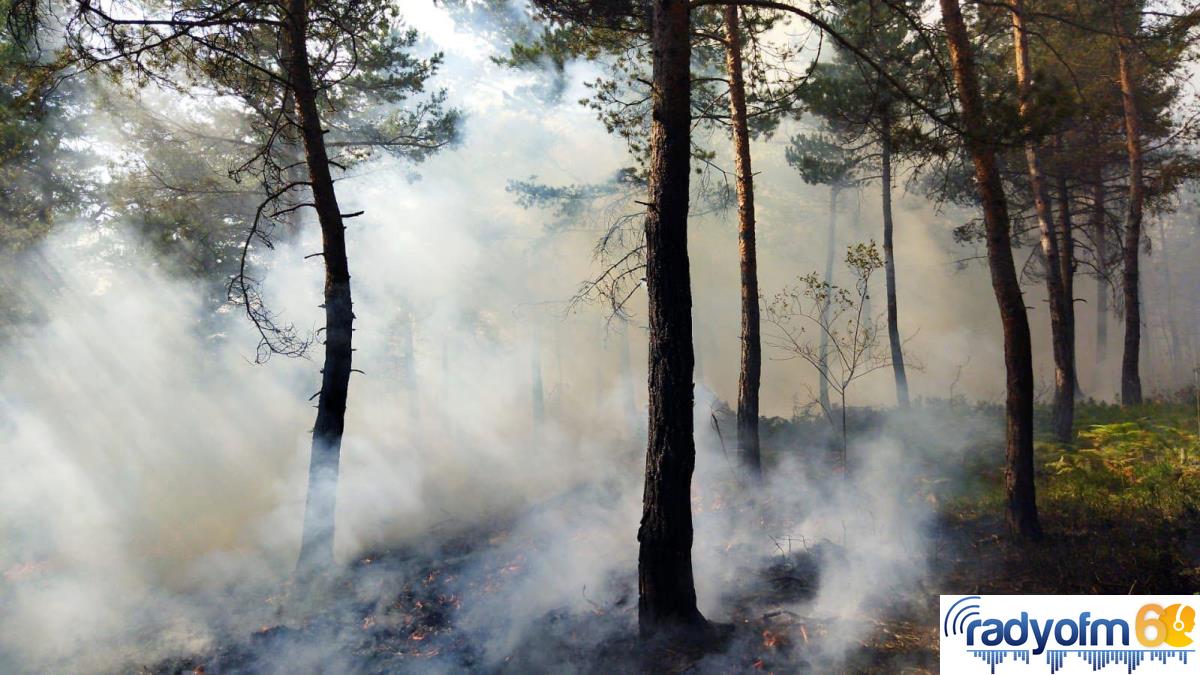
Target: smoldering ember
x=390 y=336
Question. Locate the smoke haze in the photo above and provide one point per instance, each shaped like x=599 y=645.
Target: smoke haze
x=155 y=476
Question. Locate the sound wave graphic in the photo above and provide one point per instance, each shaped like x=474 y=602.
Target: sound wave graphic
x=1096 y=658
x=1131 y=658
x=992 y=657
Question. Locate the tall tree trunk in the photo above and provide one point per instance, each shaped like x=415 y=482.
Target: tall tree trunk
x=1131 y=381
x=1064 y=376
x=750 y=373
x=889 y=265
x=666 y=589
x=835 y=191
x=1018 y=356
x=1066 y=264
x=1100 y=232
x=1145 y=340
x=316 y=548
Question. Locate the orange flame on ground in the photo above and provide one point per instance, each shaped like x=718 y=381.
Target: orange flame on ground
x=770 y=640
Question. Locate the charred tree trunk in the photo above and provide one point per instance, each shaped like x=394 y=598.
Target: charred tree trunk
x=666 y=589
x=750 y=373
x=889 y=264
x=1064 y=376
x=1066 y=264
x=316 y=548
x=1145 y=341
x=835 y=191
x=1131 y=381
x=1018 y=357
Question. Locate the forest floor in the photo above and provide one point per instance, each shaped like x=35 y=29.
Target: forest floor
x=1120 y=507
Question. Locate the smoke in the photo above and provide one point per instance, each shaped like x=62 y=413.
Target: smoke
x=154 y=483
x=138 y=444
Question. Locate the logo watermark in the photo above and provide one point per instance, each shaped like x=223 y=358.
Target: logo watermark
x=1066 y=634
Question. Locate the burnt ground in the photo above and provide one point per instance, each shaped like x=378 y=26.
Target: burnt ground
x=414 y=618
x=421 y=623
x=417 y=609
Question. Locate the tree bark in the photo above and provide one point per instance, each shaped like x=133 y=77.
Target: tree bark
x=1018 y=357
x=1066 y=264
x=316 y=548
x=750 y=373
x=1131 y=382
x=889 y=265
x=666 y=589
x=1064 y=376
x=835 y=191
